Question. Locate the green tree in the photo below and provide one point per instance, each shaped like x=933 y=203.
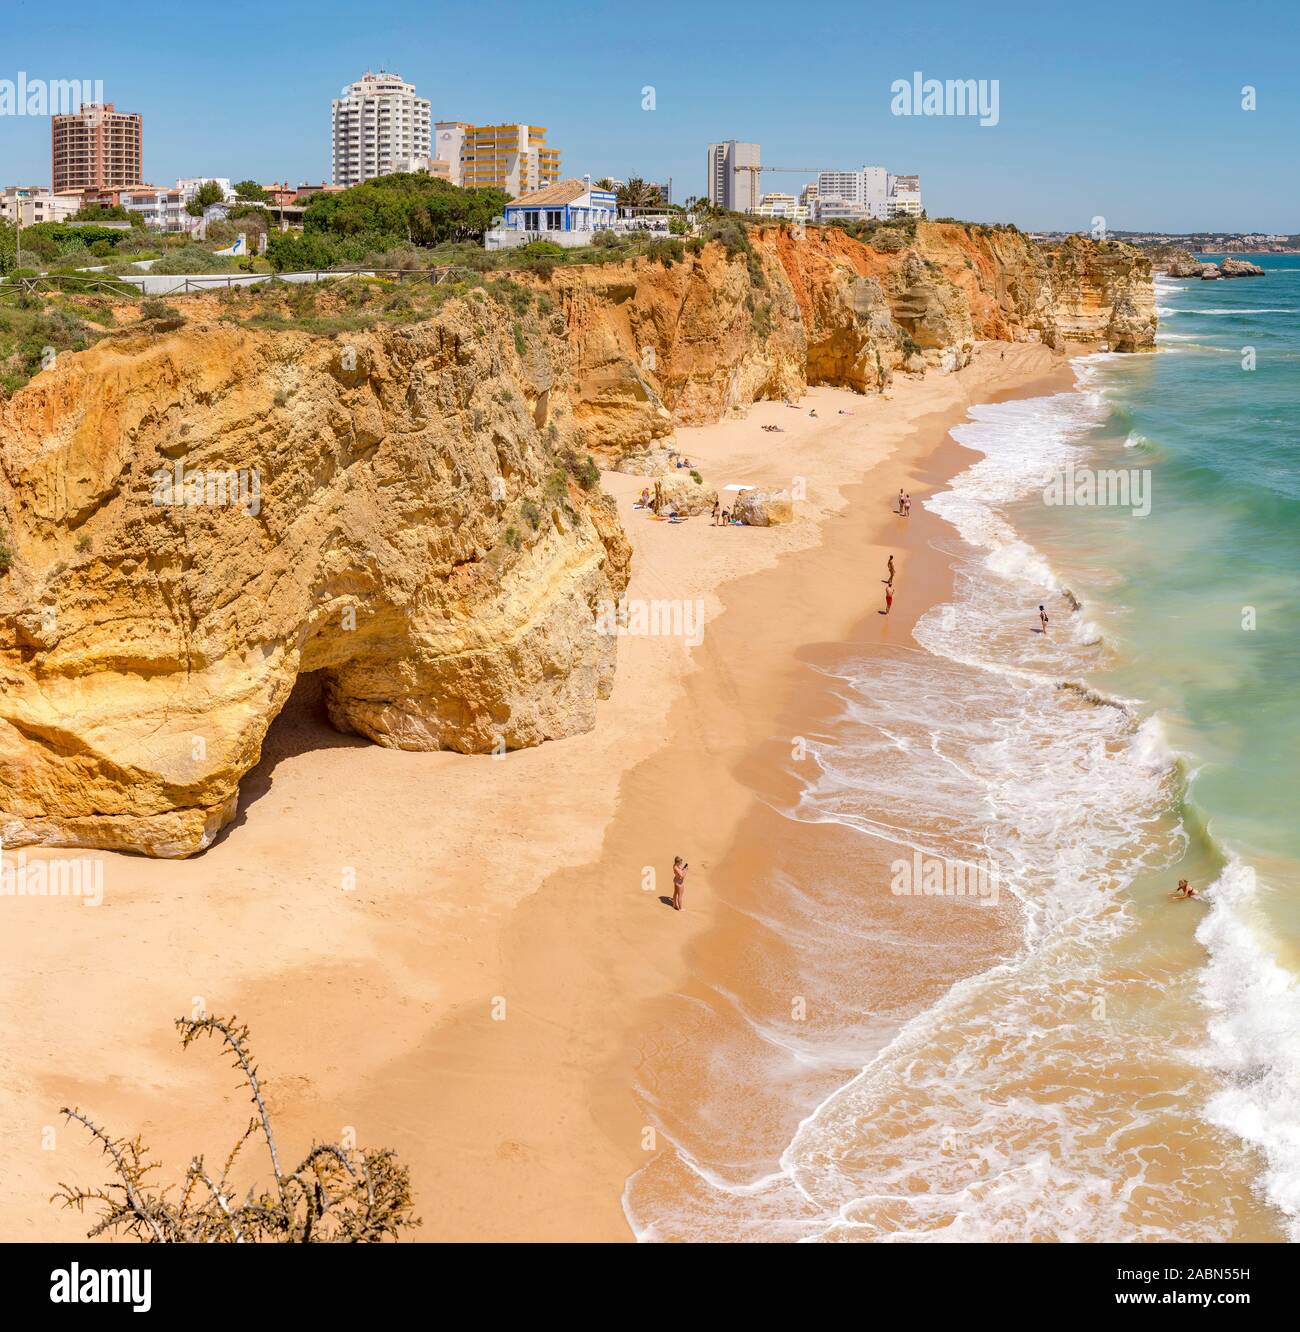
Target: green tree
x=105 y=213
x=207 y=194
x=250 y=190
x=414 y=207
x=49 y=240
x=636 y=193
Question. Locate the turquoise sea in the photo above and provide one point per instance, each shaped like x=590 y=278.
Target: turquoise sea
x=1131 y=1071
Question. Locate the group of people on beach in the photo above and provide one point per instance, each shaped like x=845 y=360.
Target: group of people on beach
x=722 y=517
x=656 y=504
x=904 y=510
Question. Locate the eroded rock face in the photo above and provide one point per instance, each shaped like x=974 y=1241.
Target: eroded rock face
x=391 y=509
x=381 y=532
x=1239 y=268
x=658 y=345
x=1102 y=289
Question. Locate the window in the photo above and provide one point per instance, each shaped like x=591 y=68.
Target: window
x=554 y=220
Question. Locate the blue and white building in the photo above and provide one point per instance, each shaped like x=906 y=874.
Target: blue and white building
x=570 y=212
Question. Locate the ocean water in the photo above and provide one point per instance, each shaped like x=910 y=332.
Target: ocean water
x=1129 y=1068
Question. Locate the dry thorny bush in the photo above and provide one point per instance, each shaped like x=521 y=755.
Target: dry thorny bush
x=334 y=1196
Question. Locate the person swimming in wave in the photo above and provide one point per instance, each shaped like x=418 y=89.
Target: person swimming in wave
x=1182 y=892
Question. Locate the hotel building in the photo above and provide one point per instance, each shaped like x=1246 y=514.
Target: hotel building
x=513 y=158
x=733 y=175
x=98 y=147
x=873 y=193
x=378 y=121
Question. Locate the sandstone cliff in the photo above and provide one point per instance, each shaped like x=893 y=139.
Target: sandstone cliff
x=400 y=521
x=199 y=515
x=657 y=345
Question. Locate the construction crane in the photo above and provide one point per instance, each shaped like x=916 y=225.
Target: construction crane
x=754 y=171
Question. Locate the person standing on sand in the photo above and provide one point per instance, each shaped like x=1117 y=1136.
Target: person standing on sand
x=717 y=509
x=900 y=499
x=889 y=582
x=1042 y=619
x=889 y=599
x=907 y=506
x=679 y=881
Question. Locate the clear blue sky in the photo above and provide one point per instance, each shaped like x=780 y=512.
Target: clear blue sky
x=1132 y=112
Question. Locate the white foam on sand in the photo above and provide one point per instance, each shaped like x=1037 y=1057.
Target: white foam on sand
x=1254 y=1034
x=1057 y=790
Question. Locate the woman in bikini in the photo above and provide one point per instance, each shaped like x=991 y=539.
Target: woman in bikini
x=679 y=881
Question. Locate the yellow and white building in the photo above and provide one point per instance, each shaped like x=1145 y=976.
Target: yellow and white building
x=513 y=157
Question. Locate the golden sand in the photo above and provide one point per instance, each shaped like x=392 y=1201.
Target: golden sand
x=463 y=958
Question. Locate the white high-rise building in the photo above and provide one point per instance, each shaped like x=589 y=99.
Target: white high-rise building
x=869 y=188
x=377 y=122
x=873 y=192
x=734 y=170
x=840 y=185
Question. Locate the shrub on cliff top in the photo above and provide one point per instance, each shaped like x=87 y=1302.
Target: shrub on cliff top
x=191 y=259
x=49 y=332
x=153 y=308
x=583 y=470
x=729 y=232
x=511 y=294
x=668 y=252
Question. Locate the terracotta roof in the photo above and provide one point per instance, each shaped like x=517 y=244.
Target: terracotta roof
x=562 y=192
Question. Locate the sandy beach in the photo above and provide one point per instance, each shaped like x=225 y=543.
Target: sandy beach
x=468 y=959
